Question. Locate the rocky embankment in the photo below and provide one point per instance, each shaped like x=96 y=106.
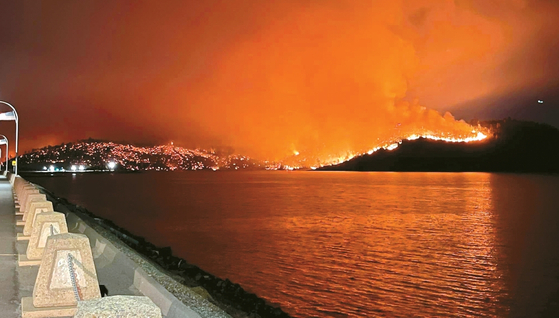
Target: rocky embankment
x=229 y=296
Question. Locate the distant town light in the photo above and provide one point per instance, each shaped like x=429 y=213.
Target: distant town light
x=74 y=168
x=51 y=168
x=45 y=168
x=81 y=168
x=540 y=101
x=112 y=165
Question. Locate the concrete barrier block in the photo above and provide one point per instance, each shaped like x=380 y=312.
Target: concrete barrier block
x=12 y=178
x=73 y=221
x=82 y=227
x=46 y=224
x=32 y=197
x=30 y=201
x=66 y=275
x=103 y=253
x=35 y=208
x=118 y=306
x=30 y=311
x=178 y=309
x=24 y=195
x=151 y=288
x=67 y=260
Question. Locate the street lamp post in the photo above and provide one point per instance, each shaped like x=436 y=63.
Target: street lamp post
x=12 y=116
x=4 y=141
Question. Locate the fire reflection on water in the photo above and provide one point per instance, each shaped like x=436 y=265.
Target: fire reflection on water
x=352 y=244
x=422 y=246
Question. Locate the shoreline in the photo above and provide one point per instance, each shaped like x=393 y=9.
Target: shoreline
x=228 y=296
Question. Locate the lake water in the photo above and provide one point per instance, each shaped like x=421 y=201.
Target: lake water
x=350 y=244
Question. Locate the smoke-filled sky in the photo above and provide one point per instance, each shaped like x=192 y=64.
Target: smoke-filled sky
x=273 y=77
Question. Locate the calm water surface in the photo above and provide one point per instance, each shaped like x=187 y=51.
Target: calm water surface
x=342 y=244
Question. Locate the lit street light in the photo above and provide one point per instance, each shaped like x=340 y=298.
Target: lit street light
x=12 y=116
x=112 y=165
x=4 y=141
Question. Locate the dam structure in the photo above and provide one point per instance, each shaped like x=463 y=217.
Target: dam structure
x=67 y=265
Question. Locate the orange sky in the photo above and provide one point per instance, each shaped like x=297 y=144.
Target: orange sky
x=271 y=77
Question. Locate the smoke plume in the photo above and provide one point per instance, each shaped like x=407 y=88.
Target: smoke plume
x=269 y=78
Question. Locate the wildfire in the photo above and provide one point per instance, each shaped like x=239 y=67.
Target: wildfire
x=389 y=146
x=478 y=137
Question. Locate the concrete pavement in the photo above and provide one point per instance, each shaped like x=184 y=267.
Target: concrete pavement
x=9 y=285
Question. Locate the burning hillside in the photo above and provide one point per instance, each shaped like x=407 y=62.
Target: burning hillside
x=452 y=131
x=516 y=146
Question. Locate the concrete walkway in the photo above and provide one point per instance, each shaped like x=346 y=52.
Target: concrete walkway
x=9 y=286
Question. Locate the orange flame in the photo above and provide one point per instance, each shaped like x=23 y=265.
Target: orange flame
x=298 y=163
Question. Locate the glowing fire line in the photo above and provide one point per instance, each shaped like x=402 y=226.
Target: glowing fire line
x=478 y=137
